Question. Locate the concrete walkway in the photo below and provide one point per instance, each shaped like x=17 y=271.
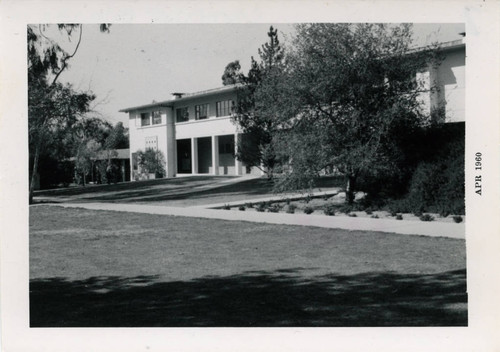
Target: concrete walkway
x=406 y=227
x=279 y=198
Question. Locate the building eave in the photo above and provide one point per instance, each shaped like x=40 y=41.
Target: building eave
x=186 y=97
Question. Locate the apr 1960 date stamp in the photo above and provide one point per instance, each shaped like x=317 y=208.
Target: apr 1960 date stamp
x=478 y=167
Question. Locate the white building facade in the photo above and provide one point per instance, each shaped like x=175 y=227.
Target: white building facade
x=194 y=132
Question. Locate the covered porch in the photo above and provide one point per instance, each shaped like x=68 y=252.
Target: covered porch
x=212 y=155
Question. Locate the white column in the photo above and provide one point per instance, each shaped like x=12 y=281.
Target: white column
x=194 y=155
x=215 y=155
x=171 y=145
x=237 y=163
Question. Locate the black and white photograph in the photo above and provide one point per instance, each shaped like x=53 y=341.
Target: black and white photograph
x=185 y=177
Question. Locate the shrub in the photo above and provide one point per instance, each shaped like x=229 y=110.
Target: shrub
x=274 y=208
x=352 y=215
x=346 y=208
x=458 y=219
x=290 y=209
x=249 y=205
x=438 y=184
x=307 y=199
x=226 y=207
x=374 y=216
x=308 y=210
x=261 y=207
x=151 y=162
x=368 y=211
x=427 y=217
x=241 y=207
x=329 y=210
x=399 y=217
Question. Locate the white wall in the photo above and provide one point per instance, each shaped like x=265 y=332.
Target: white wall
x=138 y=134
x=451 y=78
x=202 y=128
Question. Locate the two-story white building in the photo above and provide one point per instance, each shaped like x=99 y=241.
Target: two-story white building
x=197 y=136
x=193 y=131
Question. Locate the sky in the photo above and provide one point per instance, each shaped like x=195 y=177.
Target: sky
x=135 y=64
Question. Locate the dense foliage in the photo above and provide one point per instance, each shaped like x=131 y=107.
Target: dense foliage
x=53 y=108
x=343 y=98
x=150 y=162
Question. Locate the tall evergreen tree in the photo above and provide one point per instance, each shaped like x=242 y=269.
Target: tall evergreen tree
x=255 y=148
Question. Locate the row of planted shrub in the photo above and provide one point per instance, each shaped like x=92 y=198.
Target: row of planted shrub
x=328 y=209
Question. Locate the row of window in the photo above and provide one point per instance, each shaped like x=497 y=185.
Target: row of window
x=146 y=118
x=222 y=108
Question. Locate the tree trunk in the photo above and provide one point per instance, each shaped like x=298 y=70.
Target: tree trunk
x=34 y=172
x=351 y=187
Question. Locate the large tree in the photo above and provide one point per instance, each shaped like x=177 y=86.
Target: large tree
x=346 y=101
x=258 y=122
x=52 y=106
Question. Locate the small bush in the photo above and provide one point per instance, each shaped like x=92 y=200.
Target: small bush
x=249 y=205
x=426 y=217
x=241 y=207
x=274 y=208
x=226 y=207
x=352 y=215
x=393 y=213
x=307 y=199
x=290 y=209
x=417 y=213
x=261 y=207
x=287 y=201
x=368 y=211
x=329 y=210
x=346 y=208
x=458 y=219
x=308 y=210
x=374 y=216
x=399 y=217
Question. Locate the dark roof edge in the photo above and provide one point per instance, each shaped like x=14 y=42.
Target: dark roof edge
x=187 y=96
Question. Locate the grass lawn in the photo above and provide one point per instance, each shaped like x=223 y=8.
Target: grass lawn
x=98 y=268
x=181 y=191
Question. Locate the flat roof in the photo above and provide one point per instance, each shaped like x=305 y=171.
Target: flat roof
x=185 y=96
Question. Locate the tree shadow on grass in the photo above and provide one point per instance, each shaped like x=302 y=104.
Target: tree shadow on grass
x=173 y=189
x=127 y=186
x=253 y=299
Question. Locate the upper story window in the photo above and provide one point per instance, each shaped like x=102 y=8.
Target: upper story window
x=145 y=119
x=156 y=117
x=182 y=114
x=201 y=111
x=224 y=108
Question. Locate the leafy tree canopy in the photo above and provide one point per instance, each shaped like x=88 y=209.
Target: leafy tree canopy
x=53 y=108
x=343 y=97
